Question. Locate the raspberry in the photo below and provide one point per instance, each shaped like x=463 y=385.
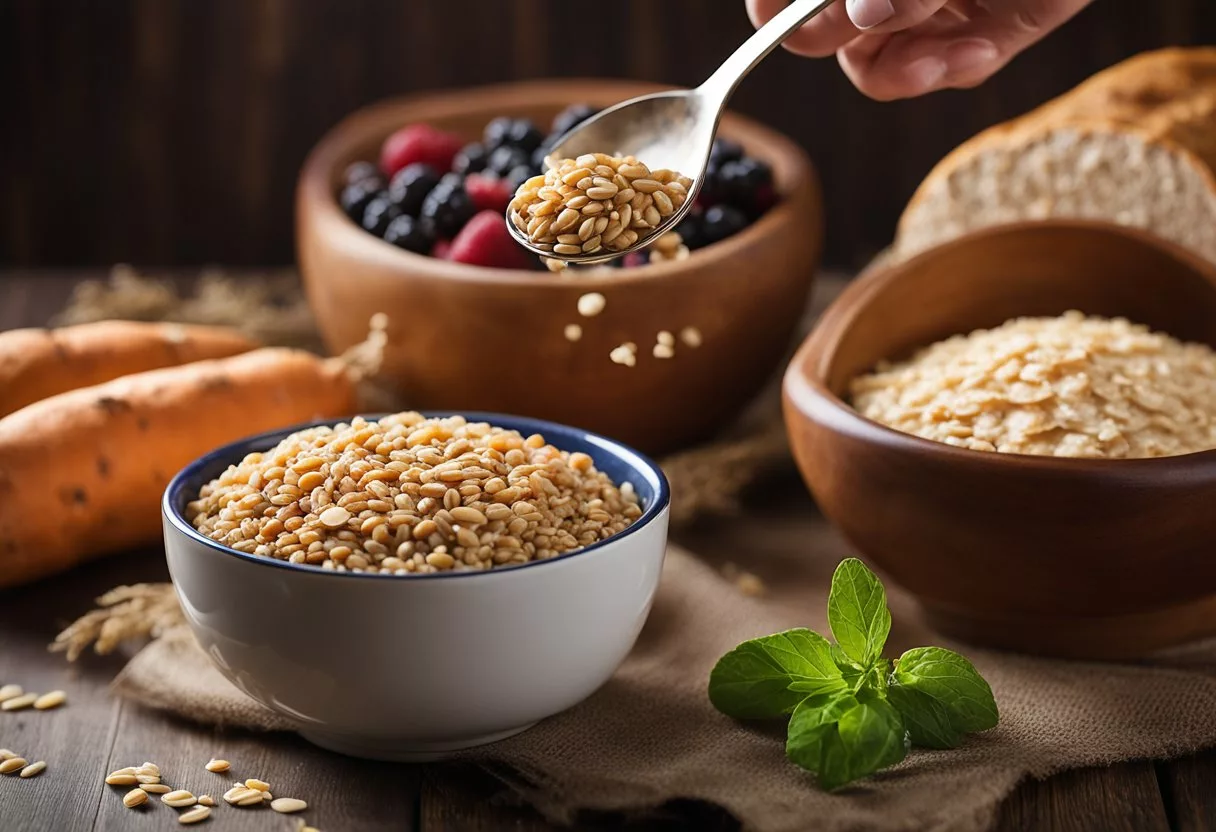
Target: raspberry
x=419 y=144
x=485 y=241
x=488 y=193
x=442 y=250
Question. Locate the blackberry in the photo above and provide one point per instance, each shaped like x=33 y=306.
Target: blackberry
x=721 y=221
x=497 y=133
x=571 y=117
x=359 y=172
x=446 y=209
x=524 y=135
x=724 y=150
x=518 y=176
x=742 y=181
x=378 y=214
x=711 y=192
x=354 y=199
x=505 y=159
x=410 y=187
x=692 y=230
x=410 y=234
x=451 y=180
x=471 y=159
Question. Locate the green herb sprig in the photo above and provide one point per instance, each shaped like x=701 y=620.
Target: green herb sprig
x=851 y=711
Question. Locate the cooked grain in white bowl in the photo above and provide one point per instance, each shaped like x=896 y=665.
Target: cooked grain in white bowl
x=405 y=494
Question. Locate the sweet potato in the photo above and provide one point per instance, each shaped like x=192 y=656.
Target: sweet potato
x=38 y=363
x=82 y=473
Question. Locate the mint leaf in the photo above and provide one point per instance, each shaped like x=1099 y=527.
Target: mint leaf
x=857 y=612
x=757 y=679
x=853 y=711
x=867 y=738
x=850 y=671
x=814 y=717
x=928 y=721
x=950 y=680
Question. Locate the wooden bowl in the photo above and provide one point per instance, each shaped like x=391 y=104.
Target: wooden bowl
x=1064 y=557
x=462 y=337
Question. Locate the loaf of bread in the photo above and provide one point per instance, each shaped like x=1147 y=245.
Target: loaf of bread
x=1135 y=144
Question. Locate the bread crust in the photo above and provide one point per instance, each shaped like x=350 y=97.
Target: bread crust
x=1166 y=97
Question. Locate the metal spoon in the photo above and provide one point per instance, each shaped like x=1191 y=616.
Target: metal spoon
x=675 y=129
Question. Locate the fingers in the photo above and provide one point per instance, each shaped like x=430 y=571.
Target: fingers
x=843 y=21
x=962 y=54
x=885 y=16
x=905 y=65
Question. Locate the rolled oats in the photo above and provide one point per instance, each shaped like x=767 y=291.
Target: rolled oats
x=1068 y=387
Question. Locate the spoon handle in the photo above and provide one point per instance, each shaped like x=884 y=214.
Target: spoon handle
x=721 y=85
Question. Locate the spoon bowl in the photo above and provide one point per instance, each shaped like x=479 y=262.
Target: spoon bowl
x=673 y=129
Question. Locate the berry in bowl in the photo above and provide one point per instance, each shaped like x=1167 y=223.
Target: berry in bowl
x=426 y=188
x=401 y=210
x=405 y=586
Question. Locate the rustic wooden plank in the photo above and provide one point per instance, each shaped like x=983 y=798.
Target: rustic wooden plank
x=341 y=793
x=462 y=798
x=74 y=739
x=1121 y=798
x=1187 y=785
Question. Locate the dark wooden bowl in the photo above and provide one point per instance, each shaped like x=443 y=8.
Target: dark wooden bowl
x=463 y=338
x=1064 y=557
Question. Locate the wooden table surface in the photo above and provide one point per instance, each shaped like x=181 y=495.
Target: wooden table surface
x=96 y=733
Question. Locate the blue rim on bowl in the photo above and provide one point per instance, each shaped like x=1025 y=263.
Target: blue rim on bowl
x=618 y=461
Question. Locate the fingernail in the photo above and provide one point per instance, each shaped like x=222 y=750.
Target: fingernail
x=866 y=14
x=926 y=73
x=970 y=55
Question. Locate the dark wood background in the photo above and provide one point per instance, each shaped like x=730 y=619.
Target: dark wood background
x=169 y=132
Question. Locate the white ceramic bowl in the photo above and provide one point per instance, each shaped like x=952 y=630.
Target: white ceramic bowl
x=415 y=667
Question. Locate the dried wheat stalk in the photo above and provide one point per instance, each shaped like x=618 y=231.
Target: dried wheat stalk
x=269 y=308
x=124 y=614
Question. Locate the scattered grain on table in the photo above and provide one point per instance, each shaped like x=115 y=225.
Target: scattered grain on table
x=287 y=805
x=18 y=703
x=50 y=700
x=179 y=799
x=135 y=797
x=12 y=765
x=198 y=813
x=34 y=769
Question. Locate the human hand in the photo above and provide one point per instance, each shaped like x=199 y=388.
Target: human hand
x=894 y=49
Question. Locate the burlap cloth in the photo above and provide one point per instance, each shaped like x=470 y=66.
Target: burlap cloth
x=650 y=734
